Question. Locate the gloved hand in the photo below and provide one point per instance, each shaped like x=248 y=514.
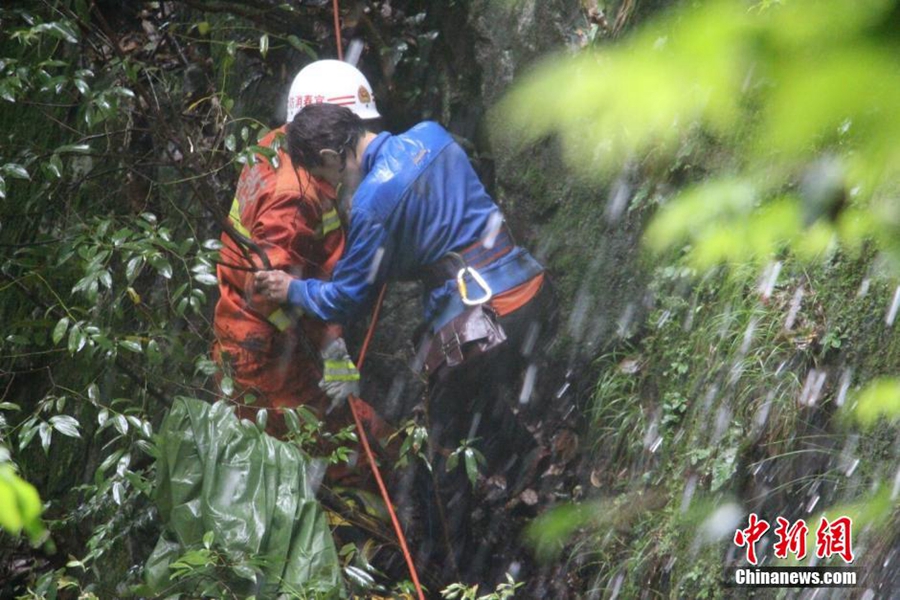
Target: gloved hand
x=340 y=377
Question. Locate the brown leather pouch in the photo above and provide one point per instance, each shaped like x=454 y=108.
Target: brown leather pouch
x=470 y=334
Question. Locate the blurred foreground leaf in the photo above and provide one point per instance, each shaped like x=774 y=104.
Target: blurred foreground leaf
x=768 y=104
x=881 y=398
x=20 y=505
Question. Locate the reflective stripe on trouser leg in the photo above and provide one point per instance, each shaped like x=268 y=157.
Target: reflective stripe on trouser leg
x=282 y=320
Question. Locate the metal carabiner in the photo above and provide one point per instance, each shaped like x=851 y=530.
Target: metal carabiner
x=463 y=289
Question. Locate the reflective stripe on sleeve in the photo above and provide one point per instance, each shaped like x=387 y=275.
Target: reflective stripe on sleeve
x=330 y=222
x=340 y=370
x=234 y=215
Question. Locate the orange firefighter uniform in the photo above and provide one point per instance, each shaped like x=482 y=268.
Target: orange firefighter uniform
x=292 y=217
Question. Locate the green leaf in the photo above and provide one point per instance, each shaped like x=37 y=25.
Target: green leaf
x=46 y=433
x=123 y=91
x=19 y=340
x=66 y=425
x=110 y=460
x=51 y=170
x=118 y=491
x=9 y=406
x=20 y=505
x=102 y=417
x=264 y=44
x=74 y=148
x=56 y=165
x=548 y=533
x=106 y=279
x=93 y=393
x=60 y=330
x=123 y=464
x=27 y=434
x=133 y=267
x=121 y=424
x=120 y=236
x=59 y=30
x=291 y=420
x=262 y=417
x=227 y=386
x=203 y=27
x=77 y=339
x=93 y=289
x=206 y=279
x=297 y=44
x=15 y=170
x=179 y=291
x=7 y=92
x=161 y=264
x=471 y=463
x=452 y=461
x=154 y=355
x=131 y=345
x=208 y=538
x=206 y=366
x=881 y=398
x=308 y=416
x=147 y=448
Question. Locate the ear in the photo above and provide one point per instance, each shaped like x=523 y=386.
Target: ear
x=329 y=157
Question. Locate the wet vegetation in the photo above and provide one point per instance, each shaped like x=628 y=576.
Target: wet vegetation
x=712 y=184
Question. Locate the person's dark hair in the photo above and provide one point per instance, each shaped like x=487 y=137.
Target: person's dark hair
x=319 y=127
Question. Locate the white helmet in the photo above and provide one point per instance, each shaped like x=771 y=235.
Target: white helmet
x=332 y=82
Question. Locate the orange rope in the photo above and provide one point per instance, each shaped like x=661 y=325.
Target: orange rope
x=337 y=30
x=375 y=312
x=371 y=457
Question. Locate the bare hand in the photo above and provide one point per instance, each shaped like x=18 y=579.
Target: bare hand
x=273 y=285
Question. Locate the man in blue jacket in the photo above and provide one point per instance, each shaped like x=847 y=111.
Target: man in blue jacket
x=419 y=211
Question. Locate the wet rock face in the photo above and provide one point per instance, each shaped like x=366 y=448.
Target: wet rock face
x=514 y=34
x=582 y=232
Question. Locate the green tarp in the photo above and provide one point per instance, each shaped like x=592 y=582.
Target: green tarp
x=218 y=474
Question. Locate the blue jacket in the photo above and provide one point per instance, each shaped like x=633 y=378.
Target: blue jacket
x=419 y=199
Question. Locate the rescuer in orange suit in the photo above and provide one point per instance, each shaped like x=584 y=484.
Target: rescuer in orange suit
x=267 y=350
